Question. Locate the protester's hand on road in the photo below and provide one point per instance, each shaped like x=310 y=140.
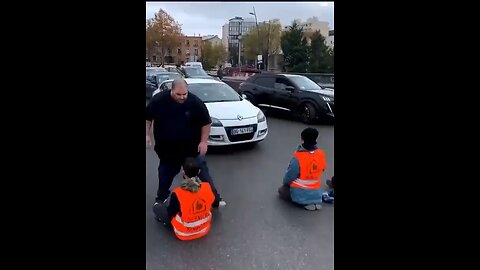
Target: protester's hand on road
x=202 y=148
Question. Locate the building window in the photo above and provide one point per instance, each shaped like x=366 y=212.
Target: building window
x=196 y=52
x=187 y=42
x=188 y=59
x=179 y=51
x=169 y=51
x=154 y=58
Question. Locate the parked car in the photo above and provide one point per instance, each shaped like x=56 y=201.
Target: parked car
x=195 y=72
x=194 y=64
x=152 y=70
x=155 y=79
x=234 y=119
x=289 y=92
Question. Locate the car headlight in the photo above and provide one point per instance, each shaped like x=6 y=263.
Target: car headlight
x=326 y=98
x=260 y=116
x=216 y=122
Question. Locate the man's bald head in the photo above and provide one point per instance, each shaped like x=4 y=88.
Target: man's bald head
x=179 y=90
x=178 y=81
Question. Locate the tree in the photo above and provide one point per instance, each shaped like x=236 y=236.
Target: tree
x=212 y=55
x=269 y=42
x=295 y=49
x=162 y=33
x=321 y=57
x=331 y=61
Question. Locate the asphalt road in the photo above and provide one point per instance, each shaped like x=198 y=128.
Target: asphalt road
x=256 y=230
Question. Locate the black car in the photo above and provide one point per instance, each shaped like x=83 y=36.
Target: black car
x=155 y=79
x=289 y=92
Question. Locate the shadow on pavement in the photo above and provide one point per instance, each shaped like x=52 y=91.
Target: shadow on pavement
x=232 y=149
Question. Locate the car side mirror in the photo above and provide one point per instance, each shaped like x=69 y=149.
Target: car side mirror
x=290 y=88
x=244 y=96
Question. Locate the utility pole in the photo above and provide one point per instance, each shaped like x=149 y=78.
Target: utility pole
x=258 y=34
x=239 y=51
x=239 y=37
x=268 y=46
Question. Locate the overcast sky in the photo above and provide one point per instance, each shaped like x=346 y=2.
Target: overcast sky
x=207 y=18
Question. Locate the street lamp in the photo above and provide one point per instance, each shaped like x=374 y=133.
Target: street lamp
x=239 y=51
x=254 y=13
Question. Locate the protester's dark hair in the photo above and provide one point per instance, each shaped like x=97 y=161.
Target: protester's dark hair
x=309 y=136
x=177 y=81
x=191 y=167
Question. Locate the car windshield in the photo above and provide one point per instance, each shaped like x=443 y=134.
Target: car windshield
x=214 y=92
x=167 y=76
x=195 y=71
x=153 y=71
x=304 y=83
x=168 y=85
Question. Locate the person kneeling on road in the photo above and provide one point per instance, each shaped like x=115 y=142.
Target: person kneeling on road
x=301 y=183
x=188 y=210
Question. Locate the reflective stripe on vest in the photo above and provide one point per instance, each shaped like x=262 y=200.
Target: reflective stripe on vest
x=195 y=223
x=306 y=184
x=204 y=230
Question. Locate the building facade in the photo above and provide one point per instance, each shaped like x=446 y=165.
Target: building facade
x=311 y=25
x=236 y=28
x=213 y=39
x=330 y=41
x=225 y=36
x=188 y=51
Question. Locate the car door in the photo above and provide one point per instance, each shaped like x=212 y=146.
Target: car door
x=166 y=86
x=285 y=93
x=263 y=89
x=150 y=87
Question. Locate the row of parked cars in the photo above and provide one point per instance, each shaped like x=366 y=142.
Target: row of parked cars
x=238 y=115
x=157 y=75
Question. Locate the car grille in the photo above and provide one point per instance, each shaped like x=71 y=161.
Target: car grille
x=240 y=137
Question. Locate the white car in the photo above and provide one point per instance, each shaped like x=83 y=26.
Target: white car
x=194 y=64
x=234 y=119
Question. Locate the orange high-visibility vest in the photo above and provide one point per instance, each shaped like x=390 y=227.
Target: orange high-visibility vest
x=312 y=164
x=195 y=209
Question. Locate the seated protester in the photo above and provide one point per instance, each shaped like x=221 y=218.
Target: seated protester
x=301 y=183
x=188 y=209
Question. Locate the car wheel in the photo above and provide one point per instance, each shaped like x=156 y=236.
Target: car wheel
x=308 y=113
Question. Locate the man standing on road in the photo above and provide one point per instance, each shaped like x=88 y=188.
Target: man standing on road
x=181 y=129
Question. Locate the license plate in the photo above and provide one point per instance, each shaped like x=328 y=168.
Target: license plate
x=238 y=131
